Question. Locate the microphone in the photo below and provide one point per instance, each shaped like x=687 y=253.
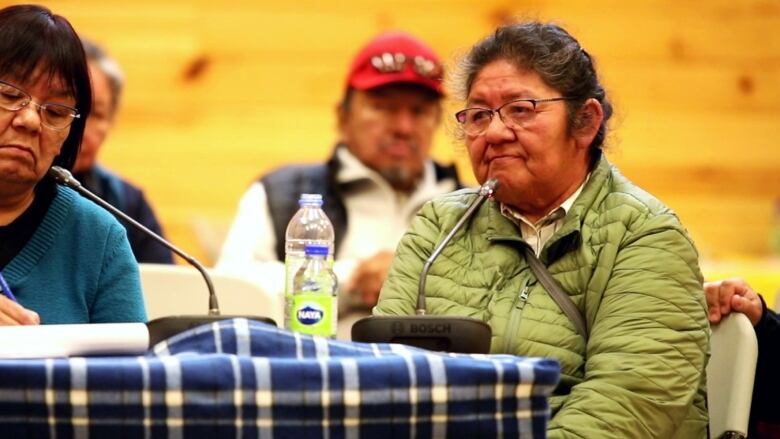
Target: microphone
x=440 y=333
x=162 y=327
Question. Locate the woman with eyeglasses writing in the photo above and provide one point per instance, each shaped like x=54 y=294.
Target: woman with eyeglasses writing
x=535 y=119
x=62 y=258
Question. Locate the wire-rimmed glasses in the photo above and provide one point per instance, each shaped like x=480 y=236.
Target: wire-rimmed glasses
x=515 y=114
x=54 y=116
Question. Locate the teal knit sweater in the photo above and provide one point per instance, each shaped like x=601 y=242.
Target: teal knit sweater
x=77 y=267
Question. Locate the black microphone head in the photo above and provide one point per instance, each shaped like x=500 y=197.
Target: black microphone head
x=63 y=176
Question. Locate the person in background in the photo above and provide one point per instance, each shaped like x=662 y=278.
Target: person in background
x=535 y=118
x=378 y=176
x=735 y=295
x=107 y=83
x=63 y=259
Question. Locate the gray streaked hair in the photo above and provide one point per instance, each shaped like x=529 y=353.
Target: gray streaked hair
x=550 y=51
x=109 y=67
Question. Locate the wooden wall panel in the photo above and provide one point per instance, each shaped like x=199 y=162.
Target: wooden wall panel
x=219 y=92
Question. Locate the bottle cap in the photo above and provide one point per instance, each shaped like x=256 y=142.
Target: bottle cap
x=315 y=250
x=310 y=200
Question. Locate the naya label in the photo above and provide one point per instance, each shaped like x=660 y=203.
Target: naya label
x=314 y=314
x=309 y=314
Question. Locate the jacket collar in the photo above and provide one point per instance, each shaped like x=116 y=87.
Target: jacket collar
x=568 y=236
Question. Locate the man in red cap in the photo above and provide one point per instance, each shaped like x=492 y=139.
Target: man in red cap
x=379 y=175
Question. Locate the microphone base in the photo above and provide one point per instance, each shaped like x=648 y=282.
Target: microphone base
x=437 y=333
x=164 y=327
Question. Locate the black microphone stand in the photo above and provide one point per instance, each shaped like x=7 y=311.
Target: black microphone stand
x=162 y=327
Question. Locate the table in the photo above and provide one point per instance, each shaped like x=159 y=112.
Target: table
x=238 y=378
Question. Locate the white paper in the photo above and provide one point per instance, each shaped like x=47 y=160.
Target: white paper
x=47 y=341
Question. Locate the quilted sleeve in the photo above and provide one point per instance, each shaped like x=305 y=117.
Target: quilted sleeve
x=648 y=345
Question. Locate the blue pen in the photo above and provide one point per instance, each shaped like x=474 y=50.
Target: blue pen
x=5 y=289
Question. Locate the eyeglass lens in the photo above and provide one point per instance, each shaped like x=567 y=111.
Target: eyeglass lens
x=54 y=116
x=514 y=114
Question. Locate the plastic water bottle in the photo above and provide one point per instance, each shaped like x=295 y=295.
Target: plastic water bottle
x=309 y=226
x=312 y=307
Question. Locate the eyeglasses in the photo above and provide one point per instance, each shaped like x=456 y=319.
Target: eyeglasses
x=515 y=114
x=54 y=116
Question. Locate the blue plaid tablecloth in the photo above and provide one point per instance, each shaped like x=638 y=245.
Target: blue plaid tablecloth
x=238 y=378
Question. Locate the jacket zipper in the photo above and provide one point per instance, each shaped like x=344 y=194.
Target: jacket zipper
x=514 y=319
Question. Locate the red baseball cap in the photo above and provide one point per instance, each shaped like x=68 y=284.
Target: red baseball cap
x=396 y=57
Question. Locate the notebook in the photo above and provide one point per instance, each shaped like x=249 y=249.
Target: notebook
x=51 y=341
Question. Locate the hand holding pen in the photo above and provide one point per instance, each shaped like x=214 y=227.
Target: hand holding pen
x=11 y=313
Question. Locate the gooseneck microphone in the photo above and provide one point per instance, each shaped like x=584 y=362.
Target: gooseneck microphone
x=486 y=191
x=160 y=328
x=65 y=178
x=440 y=333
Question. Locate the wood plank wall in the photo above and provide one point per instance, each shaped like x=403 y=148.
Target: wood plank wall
x=219 y=92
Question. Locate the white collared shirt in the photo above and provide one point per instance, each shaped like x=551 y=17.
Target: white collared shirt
x=537 y=234
x=378 y=214
x=378 y=218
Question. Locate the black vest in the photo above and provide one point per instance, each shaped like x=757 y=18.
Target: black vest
x=284 y=186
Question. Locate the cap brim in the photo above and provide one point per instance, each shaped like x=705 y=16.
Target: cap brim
x=380 y=80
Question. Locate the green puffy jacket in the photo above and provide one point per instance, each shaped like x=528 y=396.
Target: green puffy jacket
x=629 y=266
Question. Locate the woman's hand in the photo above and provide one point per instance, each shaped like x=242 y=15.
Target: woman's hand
x=11 y=314
x=729 y=295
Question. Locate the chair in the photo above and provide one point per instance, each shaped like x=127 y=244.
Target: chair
x=180 y=289
x=730 y=374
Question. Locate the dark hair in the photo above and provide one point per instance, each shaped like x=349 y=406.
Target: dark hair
x=555 y=55
x=346 y=100
x=100 y=59
x=31 y=37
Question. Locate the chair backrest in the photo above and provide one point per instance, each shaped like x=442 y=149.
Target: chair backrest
x=180 y=290
x=730 y=374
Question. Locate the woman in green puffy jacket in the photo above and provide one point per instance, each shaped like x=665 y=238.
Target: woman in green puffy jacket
x=535 y=119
